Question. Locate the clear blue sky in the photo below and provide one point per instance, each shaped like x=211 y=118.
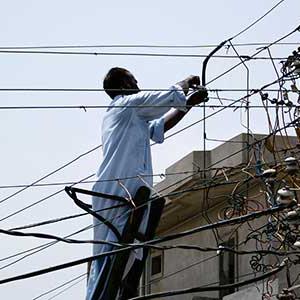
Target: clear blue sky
x=34 y=143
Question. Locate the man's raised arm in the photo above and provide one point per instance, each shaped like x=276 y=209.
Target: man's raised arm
x=173 y=117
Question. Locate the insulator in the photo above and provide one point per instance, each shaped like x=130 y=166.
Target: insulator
x=294 y=88
x=297 y=244
x=273 y=101
x=296 y=65
x=286 y=95
x=269 y=173
x=286 y=295
x=264 y=96
x=291 y=165
x=293 y=217
x=285 y=196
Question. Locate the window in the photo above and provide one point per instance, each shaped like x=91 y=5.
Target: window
x=156 y=266
x=227 y=268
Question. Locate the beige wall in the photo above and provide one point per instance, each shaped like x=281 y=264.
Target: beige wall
x=195 y=268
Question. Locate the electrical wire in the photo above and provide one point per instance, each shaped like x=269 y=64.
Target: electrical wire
x=127 y=90
x=255 y=142
x=133 y=54
x=165 y=238
x=256 y=21
x=85 y=107
x=211 y=288
x=82 y=276
x=242 y=32
x=66 y=289
x=255 y=44
x=253 y=55
x=50 y=173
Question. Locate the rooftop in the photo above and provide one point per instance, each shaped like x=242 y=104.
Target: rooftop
x=221 y=164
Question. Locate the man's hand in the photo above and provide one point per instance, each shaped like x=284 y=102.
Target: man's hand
x=199 y=96
x=189 y=82
x=193 y=80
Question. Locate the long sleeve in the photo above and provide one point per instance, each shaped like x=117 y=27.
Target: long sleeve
x=156 y=130
x=153 y=105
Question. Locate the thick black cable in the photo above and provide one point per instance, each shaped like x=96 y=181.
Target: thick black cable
x=167 y=187
x=59 y=191
x=169 y=237
x=93 y=150
x=56 y=220
x=256 y=53
x=217 y=48
x=138 y=245
x=254 y=92
x=212 y=288
x=215 y=162
x=48 y=245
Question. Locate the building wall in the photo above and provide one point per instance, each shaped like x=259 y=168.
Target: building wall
x=199 y=267
x=189 y=268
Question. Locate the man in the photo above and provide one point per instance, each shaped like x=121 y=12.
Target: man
x=132 y=119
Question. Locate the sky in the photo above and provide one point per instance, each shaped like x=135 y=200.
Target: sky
x=36 y=142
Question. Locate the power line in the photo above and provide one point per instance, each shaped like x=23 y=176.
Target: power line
x=134 y=54
x=255 y=44
x=50 y=244
x=180 y=270
x=47 y=197
x=100 y=180
x=38 y=202
x=61 y=190
x=60 y=286
x=96 y=90
x=47 y=245
x=169 y=237
x=255 y=54
x=66 y=289
x=147 y=244
x=171 y=135
x=37 y=249
x=213 y=288
x=85 y=107
x=256 y=21
x=50 y=173
x=56 y=220
x=44 y=246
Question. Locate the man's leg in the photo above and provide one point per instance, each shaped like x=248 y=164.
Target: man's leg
x=147 y=228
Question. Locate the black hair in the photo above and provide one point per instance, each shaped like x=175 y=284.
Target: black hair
x=113 y=82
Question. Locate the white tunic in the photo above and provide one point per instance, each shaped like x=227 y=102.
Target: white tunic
x=126 y=134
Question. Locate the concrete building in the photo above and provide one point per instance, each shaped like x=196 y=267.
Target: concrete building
x=226 y=189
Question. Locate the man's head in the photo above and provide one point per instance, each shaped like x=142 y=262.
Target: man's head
x=119 y=81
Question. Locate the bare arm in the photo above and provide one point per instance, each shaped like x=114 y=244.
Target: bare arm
x=173 y=117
